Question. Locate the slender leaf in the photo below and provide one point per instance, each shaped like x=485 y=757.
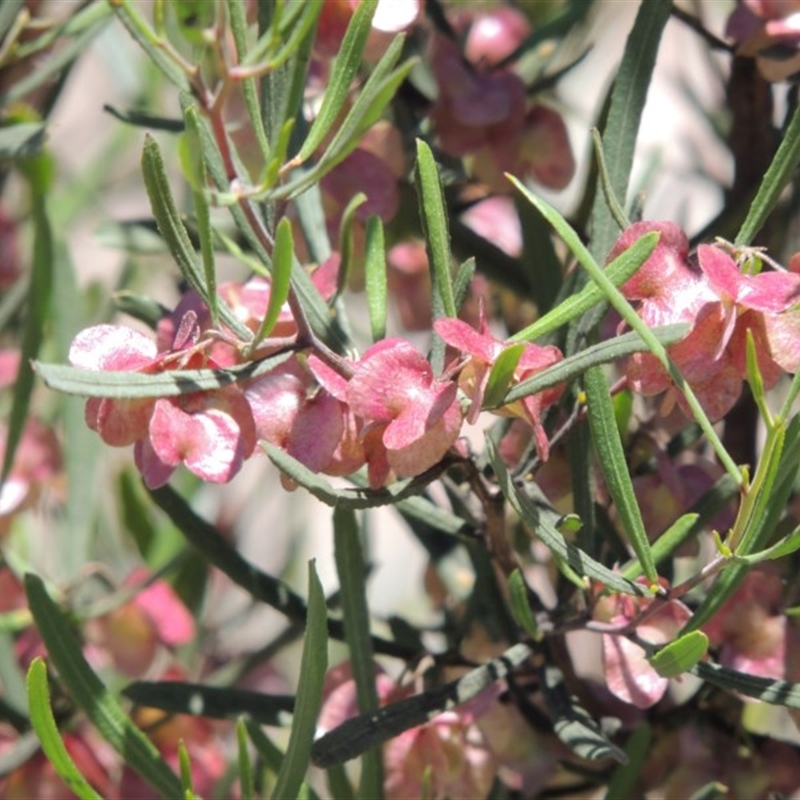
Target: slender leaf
x=624 y=115
x=46 y=729
x=248 y=791
x=282 y=260
x=667 y=543
x=618 y=272
x=780 y=172
x=346 y=241
x=520 y=607
x=434 y=223
x=352 y=579
x=626 y=776
x=358 y=734
x=156 y=48
x=614 y=205
x=93 y=697
x=262 y=586
x=603 y=353
x=611 y=455
x=90 y=383
x=502 y=374
x=91 y=20
x=323 y=490
x=572 y=723
x=21 y=140
x=185 y=768
x=573 y=241
x=367 y=109
x=376 y=280
x=237 y=11
x=210 y=542
x=8 y=15
x=178 y=697
x=311 y=216
x=195 y=168
x=767 y=690
x=344 y=71
x=38 y=311
x=538 y=523
x=174 y=232
x=313 y=666
x=267 y=751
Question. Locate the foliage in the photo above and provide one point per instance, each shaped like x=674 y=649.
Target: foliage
x=358 y=296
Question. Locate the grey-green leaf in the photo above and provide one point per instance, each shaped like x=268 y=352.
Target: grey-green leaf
x=313 y=666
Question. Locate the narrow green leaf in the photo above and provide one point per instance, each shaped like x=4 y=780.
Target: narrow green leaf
x=346 y=244
x=602 y=353
x=375 y=276
x=666 y=544
x=681 y=655
x=185 y=768
x=780 y=172
x=313 y=666
x=783 y=547
x=74 y=35
x=501 y=375
x=434 y=224
x=608 y=446
x=179 y=697
x=238 y=16
x=218 y=551
x=538 y=523
x=323 y=490
x=626 y=776
x=339 y=784
x=755 y=380
x=248 y=791
x=91 y=383
x=282 y=260
x=626 y=311
x=281 y=148
x=614 y=206
x=344 y=71
x=156 y=48
x=311 y=216
x=352 y=580
x=367 y=109
x=9 y=16
x=93 y=697
x=267 y=751
x=174 y=232
x=21 y=140
x=539 y=264
x=624 y=115
x=47 y=731
x=520 y=607
x=190 y=139
x=463 y=280
x=360 y=733
x=38 y=311
x=621 y=269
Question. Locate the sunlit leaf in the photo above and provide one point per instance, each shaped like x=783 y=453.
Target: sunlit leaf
x=313 y=665
x=47 y=731
x=611 y=455
x=681 y=655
